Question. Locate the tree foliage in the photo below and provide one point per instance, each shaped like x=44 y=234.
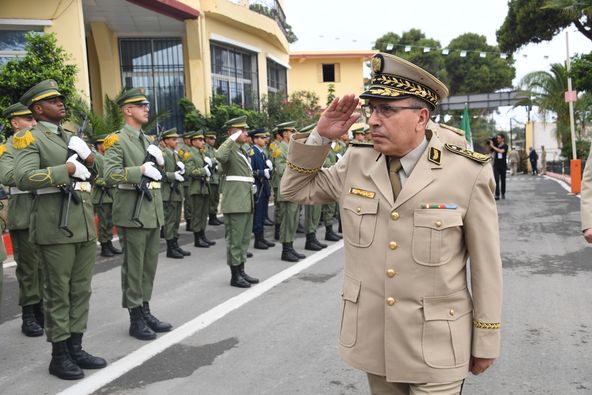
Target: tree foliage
x=534 y=21
x=581 y=72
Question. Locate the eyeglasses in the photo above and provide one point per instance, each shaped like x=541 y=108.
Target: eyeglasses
x=385 y=110
x=143 y=105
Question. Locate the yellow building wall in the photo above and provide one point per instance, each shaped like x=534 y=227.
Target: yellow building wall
x=306 y=74
x=67 y=23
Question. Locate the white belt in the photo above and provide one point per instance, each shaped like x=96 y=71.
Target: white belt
x=132 y=187
x=16 y=191
x=83 y=186
x=240 y=178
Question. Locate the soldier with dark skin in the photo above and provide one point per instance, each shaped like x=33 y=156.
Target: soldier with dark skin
x=28 y=268
x=126 y=167
x=46 y=160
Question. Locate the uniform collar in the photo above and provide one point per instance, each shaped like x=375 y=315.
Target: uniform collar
x=52 y=127
x=410 y=159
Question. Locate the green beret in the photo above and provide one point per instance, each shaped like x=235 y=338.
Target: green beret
x=290 y=126
x=170 y=133
x=308 y=127
x=42 y=91
x=16 y=110
x=238 y=122
x=133 y=96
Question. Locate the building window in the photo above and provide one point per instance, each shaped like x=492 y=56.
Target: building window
x=157 y=65
x=277 y=78
x=12 y=44
x=329 y=73
x=235 y=75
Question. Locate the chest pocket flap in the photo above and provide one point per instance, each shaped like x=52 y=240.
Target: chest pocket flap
x=359 y=220
x=437 y=219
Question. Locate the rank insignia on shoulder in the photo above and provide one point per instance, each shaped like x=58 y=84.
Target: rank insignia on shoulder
x=476 y=156
x=22 y=139
x=435 y=155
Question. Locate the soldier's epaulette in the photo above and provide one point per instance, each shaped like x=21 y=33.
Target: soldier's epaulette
x=476 y=156
x=272 y=146
x=337 y=148
x=186 y=156
x=276 y=153
x=458 y=131
x=251 y=152
x=361 y=144
x=2 y=149
x=23 y=139
x=110 y=140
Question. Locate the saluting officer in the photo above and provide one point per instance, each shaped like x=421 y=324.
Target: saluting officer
x=172 y=194
x=102 y=198
x=28 y=269
x=126 y=167
x=414 y=209
x=46 y=161
x=214 y=196
x=237 y=200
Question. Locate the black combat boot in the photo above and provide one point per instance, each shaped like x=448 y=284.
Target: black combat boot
x=39 y=313
x=299 y=255
x=260 y=244
x=276 y=233
x=113 y=249
x=269 y=243
x=162 y=232
x=236 y=279
x=106 y=251
x=188 y=225
x=138 y=327
x=299 y=228
x=251 y=280
x=214 y=220
x=330 y=235
x=268 y=222
x=198 y=241
x=311 y=243
x=249 y=254
x=30 y=326
x=182 y=251
x=61 y=365
x=288 y=254
x=204 y=238
x=81 y=357
x=154 y=323
x=323 y=245
x=172 y=252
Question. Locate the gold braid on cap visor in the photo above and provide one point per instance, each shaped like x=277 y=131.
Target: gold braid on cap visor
x=391 y=86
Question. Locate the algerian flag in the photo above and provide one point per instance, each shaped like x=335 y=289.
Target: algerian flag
x=465 y=124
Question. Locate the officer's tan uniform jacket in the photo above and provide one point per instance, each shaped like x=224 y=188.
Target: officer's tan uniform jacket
x=406 y=311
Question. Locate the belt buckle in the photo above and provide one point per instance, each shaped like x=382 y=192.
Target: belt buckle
x=154 y=185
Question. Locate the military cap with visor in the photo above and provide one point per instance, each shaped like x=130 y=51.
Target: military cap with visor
x=210 y=134
x=238 y=122
x=197 y=135
x=171 y=133
x=308 y=128
x=257 y=133
x=16 y=110
x=394 y=78
x=44 y=90
x=286 y=126
x=132 y=96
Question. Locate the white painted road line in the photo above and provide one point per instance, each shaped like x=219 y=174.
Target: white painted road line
x=563 y=184
x=118 y=368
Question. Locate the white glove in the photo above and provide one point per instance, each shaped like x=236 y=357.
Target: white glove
x=181 y=167
x=78 y=145
x=339 y=156
x=156 y=153
x=269 y=164
x=267 y=174
x=333 y=145
x=150 y=171
x=234 y=136
x=208 y=160
x=254 y=189
x=178 y=176
x=208 y=172
x=81 y=171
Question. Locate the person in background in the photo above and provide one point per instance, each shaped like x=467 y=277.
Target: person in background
x=514 y=157
x=533 y=157
x=500 y=152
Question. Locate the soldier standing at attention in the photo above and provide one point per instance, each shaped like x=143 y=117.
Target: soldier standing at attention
x=172 y=194
x=46 y=160
x=411 y=223
x=198 y=170
x=214 y=197
x=183 y=151
x=28 y=269
x=126 y=167
x=237 y=200
x=102 y=198
x=275 y=152
x=262 y=168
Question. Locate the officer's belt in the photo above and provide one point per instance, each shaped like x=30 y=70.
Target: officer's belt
x=16 y=191
x=132 y=187
x=83 y=186
x=240 y=178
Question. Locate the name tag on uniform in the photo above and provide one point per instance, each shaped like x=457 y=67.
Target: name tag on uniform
x=362 y=193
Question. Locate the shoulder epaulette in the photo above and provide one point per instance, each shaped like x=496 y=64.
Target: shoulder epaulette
x=251 y=152
x=458 y=131
x=276 y=153
x=476 y=156
x=2 y=149
x=23 y=139
x=361 y=144
x=272 y=146
x=110 y=140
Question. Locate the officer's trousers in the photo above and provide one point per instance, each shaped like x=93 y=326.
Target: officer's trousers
x=289 y=220
x=172 y=219
x=379 y=386
x=312 y=216
x=67 y=270
x=214 y=199
x=140 y=258
x=187 y=208
x=237 y=232
x=260 y=213
x=29 y=272
x=104 y=213
x=200 y=207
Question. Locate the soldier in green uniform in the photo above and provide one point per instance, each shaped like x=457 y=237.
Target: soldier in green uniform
x=237 y=200
x=275 y=151
x=198 y=170
x=102 y=198
x=172 y=195
x=46 y=160
x=28 y=268
x=329 y=210
x=214 y=182
x=184 y=152
x=126 y=167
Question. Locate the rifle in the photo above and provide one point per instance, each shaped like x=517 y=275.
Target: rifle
x=142 y=187
x=104 y=191
x=68 y=193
